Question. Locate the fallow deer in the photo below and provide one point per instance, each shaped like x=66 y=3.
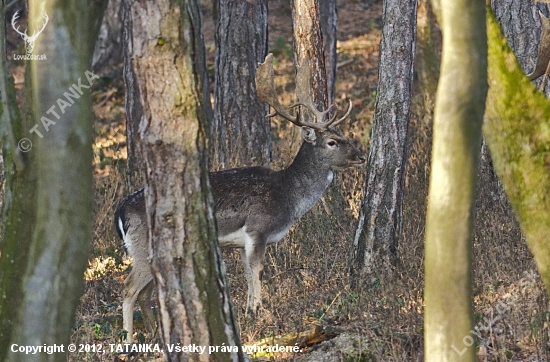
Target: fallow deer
x=255 y=206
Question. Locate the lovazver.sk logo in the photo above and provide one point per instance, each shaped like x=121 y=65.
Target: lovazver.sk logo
x=29 y=40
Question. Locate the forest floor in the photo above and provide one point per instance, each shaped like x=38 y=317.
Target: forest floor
x=306 y=283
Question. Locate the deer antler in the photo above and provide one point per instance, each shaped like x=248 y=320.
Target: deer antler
x=303 y=86
x=543 y=54
x=265 y=87
x=334 y=124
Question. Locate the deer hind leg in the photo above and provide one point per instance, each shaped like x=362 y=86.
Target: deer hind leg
x=137 y=280
x=252 y=257
x=144 y=301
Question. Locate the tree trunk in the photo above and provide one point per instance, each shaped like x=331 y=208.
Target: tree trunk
x=381 y=212
x=48 y=220
x=308 y=42
x=515 y=128
x=240 y=131
x=459 y=111
x=186 y=261
x=136 y=166
x=20 y=175
x=426 y=62
x=329 y=28
x=108 y=51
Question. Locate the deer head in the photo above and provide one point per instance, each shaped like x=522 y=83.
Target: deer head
x=29 y=40
x=330 y=144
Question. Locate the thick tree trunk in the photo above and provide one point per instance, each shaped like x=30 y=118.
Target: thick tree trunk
x=380 y=220
x=170 y=75
x=240 y=131
x=48 y=229
x=459 y=111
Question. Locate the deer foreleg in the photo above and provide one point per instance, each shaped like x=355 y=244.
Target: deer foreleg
x=252 y=257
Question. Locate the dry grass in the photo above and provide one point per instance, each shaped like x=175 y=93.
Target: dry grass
x=306 y=279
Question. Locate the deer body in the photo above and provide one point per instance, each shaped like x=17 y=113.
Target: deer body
x=266 y=202
x=254 y=207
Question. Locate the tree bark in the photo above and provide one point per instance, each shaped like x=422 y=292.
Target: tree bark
x=521 y=27
x=308 y=42
x=108 y=51
x=329 y=29
x=48 y=226
x=515 y=123
x=240 y=131
x=20 y=183
x=380 y=220
x=134 y=113
x=170 y=75
x=426 y=62
x=459 y=111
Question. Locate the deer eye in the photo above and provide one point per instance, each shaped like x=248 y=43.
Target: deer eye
x=332 y=143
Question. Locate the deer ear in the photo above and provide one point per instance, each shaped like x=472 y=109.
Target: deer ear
x=308 y=134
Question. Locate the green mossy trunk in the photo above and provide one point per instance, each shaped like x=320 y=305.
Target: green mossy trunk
x=517 y=129
x=48 y=210
x=18 y=214
x=458 y=117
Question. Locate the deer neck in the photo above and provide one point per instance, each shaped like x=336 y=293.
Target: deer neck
x=306 y=179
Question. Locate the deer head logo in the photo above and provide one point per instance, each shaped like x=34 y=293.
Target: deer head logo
x=29 y=40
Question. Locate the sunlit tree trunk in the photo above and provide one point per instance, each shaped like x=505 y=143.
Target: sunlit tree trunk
x=308 y=42
x=48 y=216
x=460 y=104
x=169 y=70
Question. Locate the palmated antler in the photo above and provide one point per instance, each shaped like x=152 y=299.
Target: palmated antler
x=543 y=54
x=265 y=87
